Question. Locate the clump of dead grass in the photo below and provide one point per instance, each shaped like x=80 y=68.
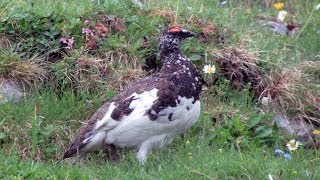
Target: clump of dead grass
x=112 y=72
x=127 y=68
x=164 y=13
x=122 y=59
x=126 y=76
x=295 y=92
x=240 y=67
x=90 y=73
x=28 y=71
x=311 y=70
x=5 y=42
x=292 y=92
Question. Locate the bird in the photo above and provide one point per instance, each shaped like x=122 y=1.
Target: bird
x=150 y=112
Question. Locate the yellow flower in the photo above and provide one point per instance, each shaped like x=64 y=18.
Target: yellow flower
x=208 y=69
x=293 y=145
x=187 y=142
x=316 y=132
x=278 y=6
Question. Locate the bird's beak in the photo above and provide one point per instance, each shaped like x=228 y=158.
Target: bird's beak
x=186 y=33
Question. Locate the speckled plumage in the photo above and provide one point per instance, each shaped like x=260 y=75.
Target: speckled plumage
x=151 y=111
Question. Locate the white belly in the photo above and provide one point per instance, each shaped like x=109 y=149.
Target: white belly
x=135 y=129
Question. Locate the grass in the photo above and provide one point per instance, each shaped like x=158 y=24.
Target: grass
x=190 y=156
x=197 y=154
x=34 y=132
x=206 y=163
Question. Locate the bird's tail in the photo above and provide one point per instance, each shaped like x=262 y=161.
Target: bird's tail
x=79 y=142
x=73 y=150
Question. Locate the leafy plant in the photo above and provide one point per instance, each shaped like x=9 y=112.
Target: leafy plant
x=239 y=132
x=32 y=33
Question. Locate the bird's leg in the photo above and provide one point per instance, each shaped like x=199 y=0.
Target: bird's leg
x=112 y=153
x=76 y=159
x=143 y=152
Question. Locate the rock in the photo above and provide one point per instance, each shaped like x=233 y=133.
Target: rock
x=10 y=90
x=283 y=28
x=278 y=27
x=301 y=129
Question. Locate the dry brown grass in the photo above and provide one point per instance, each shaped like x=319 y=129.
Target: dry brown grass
x=27 y=71
x=311 y=70
x=295 y=92
x=5 y=43
x=121 y=59
x=239 y=66
x=91 y=72
x=164 y=13
x=127 y=76
x=128 y=69
x=112 y=72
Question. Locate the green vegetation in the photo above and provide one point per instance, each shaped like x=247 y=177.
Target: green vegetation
x=78 y=54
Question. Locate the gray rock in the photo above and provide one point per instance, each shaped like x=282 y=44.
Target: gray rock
x=278 y=27
x=301 y=129
x=10 y=90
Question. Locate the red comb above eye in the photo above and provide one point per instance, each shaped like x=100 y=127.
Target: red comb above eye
x=174 y=29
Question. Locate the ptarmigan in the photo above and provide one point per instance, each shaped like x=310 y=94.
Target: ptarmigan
x=149 y=113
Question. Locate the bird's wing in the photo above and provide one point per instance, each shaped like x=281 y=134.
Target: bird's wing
x=146 y=97
x=85 y=131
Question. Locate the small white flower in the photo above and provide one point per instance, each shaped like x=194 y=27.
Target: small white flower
x=282 y=15
x=293 y=145
x=209 y=69
x=318 y=7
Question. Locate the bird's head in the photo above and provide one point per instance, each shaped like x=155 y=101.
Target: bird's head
x=172 y=37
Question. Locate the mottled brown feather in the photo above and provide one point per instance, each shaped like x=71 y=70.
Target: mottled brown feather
x=86 y=128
